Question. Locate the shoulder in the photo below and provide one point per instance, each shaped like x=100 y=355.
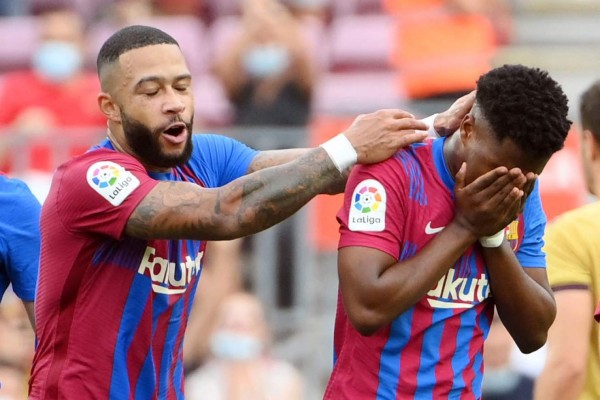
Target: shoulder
x=581 y=219
x=98 y=168
x=13 y=185
x=99 y=157
x=16 y=194
x=206 y=141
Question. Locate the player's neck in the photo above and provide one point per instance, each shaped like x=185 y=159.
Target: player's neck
x=452 y=153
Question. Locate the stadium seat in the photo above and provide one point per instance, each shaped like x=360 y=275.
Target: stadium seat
x=355 y=7
x=223 y=8
x=360 y=42
x=212 y=108
x=189 y=31
x=356 y=92
x=20 y=37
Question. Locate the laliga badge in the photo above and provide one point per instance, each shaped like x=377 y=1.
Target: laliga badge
x=367 y=209
x=111 y=181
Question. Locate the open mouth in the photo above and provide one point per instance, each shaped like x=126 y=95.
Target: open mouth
x=176 y=133
x=175 y=129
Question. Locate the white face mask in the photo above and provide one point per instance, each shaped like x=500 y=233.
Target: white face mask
x=266 y=60
x=235 y=346
x=57 y=61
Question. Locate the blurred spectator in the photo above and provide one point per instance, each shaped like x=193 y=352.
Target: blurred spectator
x=221 y=277
x=572 y=369
x=127 y=12
x=241 y=367
x=502 y=381
x=266 y=70
x=441 y=47
x=56 y=93
x=308 y=8
x=16 y=335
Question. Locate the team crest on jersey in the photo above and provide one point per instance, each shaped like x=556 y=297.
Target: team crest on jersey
x=111 y=181
x=512 y=234
x=367 y=210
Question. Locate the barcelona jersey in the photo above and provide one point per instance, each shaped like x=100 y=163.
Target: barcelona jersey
x=111 y=310
x=434 y=350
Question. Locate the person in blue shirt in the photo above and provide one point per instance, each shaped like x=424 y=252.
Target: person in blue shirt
x=19 y=240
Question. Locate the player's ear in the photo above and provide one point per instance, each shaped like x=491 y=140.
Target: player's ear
x=108 y=107
x=467 y=127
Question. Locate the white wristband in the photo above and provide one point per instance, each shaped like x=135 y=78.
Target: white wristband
x=431 y=132
x=493 y=240
x=341 y=152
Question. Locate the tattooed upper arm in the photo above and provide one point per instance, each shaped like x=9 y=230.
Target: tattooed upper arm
x=173 y=210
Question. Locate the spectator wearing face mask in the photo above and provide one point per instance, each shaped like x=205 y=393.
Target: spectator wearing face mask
x=241 y=366
x=55 y=94
x=266 y=71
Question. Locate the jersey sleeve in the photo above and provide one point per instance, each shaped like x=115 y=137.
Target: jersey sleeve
x=569 y=263
x=373 y=213
x=23 y=248
x=224 y=159
x=530 y=253
x=99 y=191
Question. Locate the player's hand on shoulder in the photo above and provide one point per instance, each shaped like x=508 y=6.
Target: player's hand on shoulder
x=378 y=135
x=447 y=122
x=490 y=202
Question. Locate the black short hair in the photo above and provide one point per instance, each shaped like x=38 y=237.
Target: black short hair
x=129 y=38
x=525 y=105
x=589 y=110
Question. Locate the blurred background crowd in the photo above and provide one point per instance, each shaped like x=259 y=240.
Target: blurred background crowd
x=276 y=74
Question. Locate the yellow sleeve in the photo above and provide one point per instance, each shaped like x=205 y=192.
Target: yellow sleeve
x=567 y=251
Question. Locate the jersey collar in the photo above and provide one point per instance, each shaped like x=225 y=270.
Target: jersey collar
x=440 y=163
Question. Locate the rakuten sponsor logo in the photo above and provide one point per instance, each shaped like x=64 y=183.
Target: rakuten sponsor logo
x=169 y=277
x=458 y=292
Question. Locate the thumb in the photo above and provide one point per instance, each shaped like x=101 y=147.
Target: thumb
x=460 y=176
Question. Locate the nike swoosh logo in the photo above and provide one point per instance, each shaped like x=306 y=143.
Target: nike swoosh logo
x=432 y=231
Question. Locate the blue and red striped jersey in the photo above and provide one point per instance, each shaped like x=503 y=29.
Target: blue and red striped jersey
x=434 y=350
x=111 y=310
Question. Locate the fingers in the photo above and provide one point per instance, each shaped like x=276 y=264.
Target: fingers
x=395 y=113
x=491 y=178
x=407 y=138
x=511 y=204
x=408 y=123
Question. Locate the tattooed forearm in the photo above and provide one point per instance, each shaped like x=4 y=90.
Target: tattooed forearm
x=272 y=158
x=245 y=206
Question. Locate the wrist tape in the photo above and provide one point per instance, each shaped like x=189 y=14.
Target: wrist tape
x=341 y=152
x=493 y=240
x=431 y=132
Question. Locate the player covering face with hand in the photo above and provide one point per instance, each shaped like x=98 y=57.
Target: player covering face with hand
x=436 y=236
